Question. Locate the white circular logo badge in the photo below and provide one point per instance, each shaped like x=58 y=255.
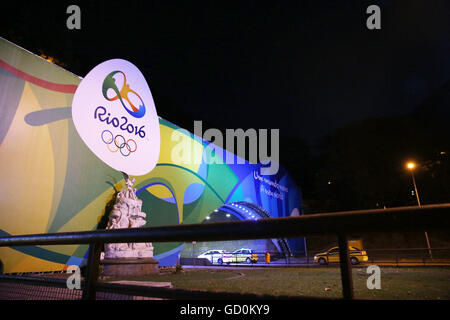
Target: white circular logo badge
x=114 y=113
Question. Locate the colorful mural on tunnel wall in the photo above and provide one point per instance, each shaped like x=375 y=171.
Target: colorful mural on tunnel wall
x=51 y=182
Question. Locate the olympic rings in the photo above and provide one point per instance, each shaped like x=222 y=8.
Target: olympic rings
x=119 y=142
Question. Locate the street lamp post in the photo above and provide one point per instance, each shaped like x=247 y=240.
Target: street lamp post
x=411 y=166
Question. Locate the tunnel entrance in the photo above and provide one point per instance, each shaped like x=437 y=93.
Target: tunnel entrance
x=241 y=210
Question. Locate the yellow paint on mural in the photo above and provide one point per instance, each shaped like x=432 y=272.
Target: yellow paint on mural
x=193 y=147
x=89 y=216
x=27 y=171
x=59 y=140
x=31 y=264
x=49 y=99
x=15 y=261
x=60 y=132
x=159 y=191
x=11 y=258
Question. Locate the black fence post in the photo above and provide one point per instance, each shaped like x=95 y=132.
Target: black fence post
x=396 y=259
x=346 y=270
x=92 y=269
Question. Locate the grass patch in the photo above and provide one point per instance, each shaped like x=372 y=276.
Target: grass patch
x=396 y=283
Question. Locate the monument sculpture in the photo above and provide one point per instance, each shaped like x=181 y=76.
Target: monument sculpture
x=128 y=258
x=127 y=213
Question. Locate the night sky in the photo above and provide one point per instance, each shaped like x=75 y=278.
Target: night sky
x=305 y=68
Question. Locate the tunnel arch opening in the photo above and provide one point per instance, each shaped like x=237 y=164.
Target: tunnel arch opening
x=278 y=248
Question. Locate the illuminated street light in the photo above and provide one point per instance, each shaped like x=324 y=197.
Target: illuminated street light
x=411 y=166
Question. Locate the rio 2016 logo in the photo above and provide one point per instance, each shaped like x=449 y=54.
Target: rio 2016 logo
x=122 y=94
x=114 y=113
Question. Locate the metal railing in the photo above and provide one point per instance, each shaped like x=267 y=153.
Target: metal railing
x=340 y=223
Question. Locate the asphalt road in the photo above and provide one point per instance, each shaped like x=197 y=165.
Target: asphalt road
x=303 y=262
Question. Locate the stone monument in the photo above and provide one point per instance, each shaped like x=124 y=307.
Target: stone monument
x=122 y=259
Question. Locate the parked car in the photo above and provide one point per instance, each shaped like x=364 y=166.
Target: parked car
x=217 y=256
x=245 y=255
x=332 y=255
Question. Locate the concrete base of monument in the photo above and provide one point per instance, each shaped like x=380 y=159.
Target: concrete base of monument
x=133 y=267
